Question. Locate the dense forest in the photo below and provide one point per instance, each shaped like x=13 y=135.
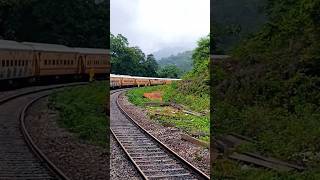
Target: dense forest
x=269 y=90
x=182 y=60
x=77 y=23
x=234 y=20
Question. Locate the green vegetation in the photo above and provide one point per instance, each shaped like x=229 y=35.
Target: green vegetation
x=75 y=23
x=234 y=20
x=83 y=111
x=170 y=94
x=194 y=125
x=169 y=71
x=130 y=60
x=182 y=61
x=192 y=92
x=269 y=91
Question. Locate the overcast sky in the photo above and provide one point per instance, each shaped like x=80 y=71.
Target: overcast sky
x=156 y=24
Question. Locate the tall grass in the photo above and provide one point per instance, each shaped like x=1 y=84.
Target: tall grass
x=83 y=111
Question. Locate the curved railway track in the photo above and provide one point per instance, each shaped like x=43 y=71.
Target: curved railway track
x=20 y=158
x=152 y=159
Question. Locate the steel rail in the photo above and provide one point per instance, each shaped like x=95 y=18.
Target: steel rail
x=32 y=145
x=194 y=169
x=27 y=138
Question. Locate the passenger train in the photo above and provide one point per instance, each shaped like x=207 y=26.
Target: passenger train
x=120 y=81
x=28 y=61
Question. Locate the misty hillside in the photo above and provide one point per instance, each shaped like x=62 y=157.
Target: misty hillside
x=166 y=52
x=182 y=60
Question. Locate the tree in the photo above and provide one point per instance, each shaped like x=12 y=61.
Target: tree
x=169 y=71
x=76 y=23
x=130 y=60
x=200 y=56
x=151 y=66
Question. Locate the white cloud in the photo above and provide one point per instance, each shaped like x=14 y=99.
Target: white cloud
x=156 y=24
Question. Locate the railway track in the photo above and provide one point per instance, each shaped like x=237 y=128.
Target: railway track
x=20 y=158
x=152 y=159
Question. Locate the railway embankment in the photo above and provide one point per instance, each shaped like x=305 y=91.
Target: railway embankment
x=187 y=112
x=171 y=122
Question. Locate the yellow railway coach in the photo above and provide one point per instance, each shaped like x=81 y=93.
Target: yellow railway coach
x=29 y=61
x=120 y=81
x=16 y=60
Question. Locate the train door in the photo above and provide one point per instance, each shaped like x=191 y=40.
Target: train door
x=36 y=64
x=81 y=65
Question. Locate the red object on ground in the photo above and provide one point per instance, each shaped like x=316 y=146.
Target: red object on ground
x=153 y=95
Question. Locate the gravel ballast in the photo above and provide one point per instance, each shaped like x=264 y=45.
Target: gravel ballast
x=77 y=159
x=120 y=166
x=170 y=136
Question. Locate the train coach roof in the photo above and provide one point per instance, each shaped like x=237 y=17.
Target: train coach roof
x=139 y=77
x=6 y=44
x=213 y=56
x=92 y=50
x=49 y=47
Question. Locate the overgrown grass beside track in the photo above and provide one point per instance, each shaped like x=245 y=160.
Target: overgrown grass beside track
x=191 y=124
x=83 y=111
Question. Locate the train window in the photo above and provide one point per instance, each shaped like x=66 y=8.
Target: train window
x=53 y=62
x=49 y=62
x=11 y=63
x=15 y=62
x=64 y=62
x=45 y=62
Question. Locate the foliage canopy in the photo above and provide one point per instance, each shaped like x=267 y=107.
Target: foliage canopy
x=75 y=23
